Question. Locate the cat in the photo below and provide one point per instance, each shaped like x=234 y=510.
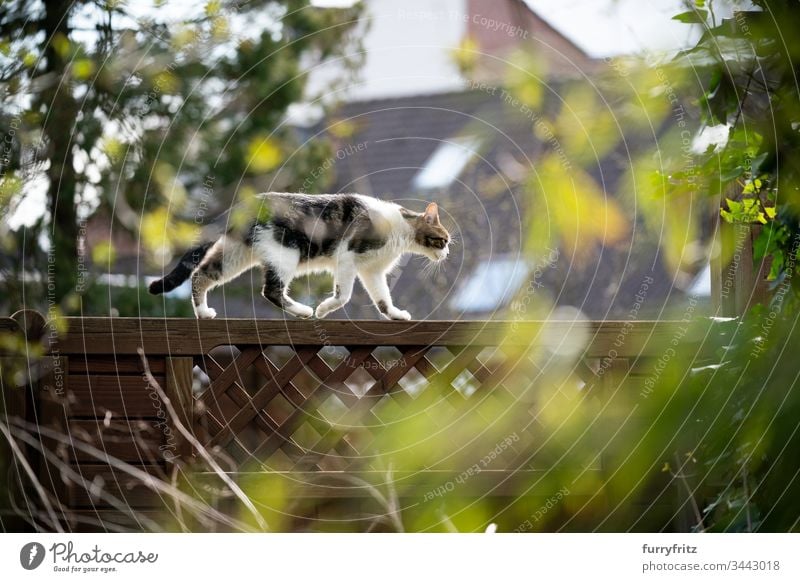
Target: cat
x=347 y=235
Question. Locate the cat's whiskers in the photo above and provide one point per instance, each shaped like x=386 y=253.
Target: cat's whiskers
x=433 y=268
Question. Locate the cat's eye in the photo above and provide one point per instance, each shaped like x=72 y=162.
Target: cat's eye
x=437 y=242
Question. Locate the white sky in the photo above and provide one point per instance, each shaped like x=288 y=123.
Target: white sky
x=611 y=27
x=607 y=27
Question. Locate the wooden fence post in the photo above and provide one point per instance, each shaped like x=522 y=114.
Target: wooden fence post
x=51 y=404
x=737 y=283
x=611 y=386
x=179 y=391
x=13 y=405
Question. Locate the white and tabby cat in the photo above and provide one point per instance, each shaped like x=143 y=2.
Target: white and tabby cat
x=347 y=235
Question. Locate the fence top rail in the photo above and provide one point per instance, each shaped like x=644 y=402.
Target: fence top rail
x=187 y=337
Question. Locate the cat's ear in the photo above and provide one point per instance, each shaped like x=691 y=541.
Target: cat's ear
x=409 y=214
x=431 y=215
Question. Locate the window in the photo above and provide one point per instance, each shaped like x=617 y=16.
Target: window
x=446 y=163
x=492 y=284
x=701 y=285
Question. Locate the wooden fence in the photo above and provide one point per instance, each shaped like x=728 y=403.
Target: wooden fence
x=298 y=401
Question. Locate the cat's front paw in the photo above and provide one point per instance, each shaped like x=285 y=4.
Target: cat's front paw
x=320 y=312
x=326 y=307
x=399 y=314
x=301 y=311
x=205 y=313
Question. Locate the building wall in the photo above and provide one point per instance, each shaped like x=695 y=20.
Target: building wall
x=408 y=50
x=409 y=47
x=499 y=27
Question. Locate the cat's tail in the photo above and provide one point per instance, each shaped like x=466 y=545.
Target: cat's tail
x=182 y=271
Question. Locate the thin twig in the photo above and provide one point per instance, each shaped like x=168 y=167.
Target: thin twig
x=31 y=475
x=711 y=11
x=66 y=470
x=746 y=497
x=682 y=477
x=392 y=514
x=178 y=506
x=394 y=502
x=200 y=508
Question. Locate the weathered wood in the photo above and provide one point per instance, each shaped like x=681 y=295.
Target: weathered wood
x=179 y=337
x=135 y=441
x=32 y=323
x=20 y=377
x=15 y=500
x=127 y=396
x=273 y=442
x=264 y=395
x=114 y=521
x=737 y=281
x=233 y=371
x=13 y=401
x=9 y=325
x=178 y=389
x=129 y=491
x=52 y=411
x=83 y=364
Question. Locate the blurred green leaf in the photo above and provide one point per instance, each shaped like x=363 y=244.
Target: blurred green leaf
x=692 y=16
x=104 y=253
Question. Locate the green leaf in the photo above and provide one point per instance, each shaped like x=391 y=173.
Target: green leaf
x=732 y=174
x=82 y=68
x=762 y=244
x=263 y=154
x=692 y=17
x=103 y=253
x=755 y=165
x=734 y=206
x=770 y=210
x=777 y=265
x=213 y=8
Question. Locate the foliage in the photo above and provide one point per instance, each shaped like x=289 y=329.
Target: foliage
x=717 y=429
x=106 y=300
x=152 y=118
x=748 y=66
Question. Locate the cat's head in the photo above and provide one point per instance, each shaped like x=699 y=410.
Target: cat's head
x=431 y=239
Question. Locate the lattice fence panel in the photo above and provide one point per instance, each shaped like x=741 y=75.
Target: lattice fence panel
x=314 y=408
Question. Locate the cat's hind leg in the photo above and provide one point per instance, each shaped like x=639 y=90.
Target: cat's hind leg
x=202 y=282
x=224 y=261
x=343 y=279
x=277 y=278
